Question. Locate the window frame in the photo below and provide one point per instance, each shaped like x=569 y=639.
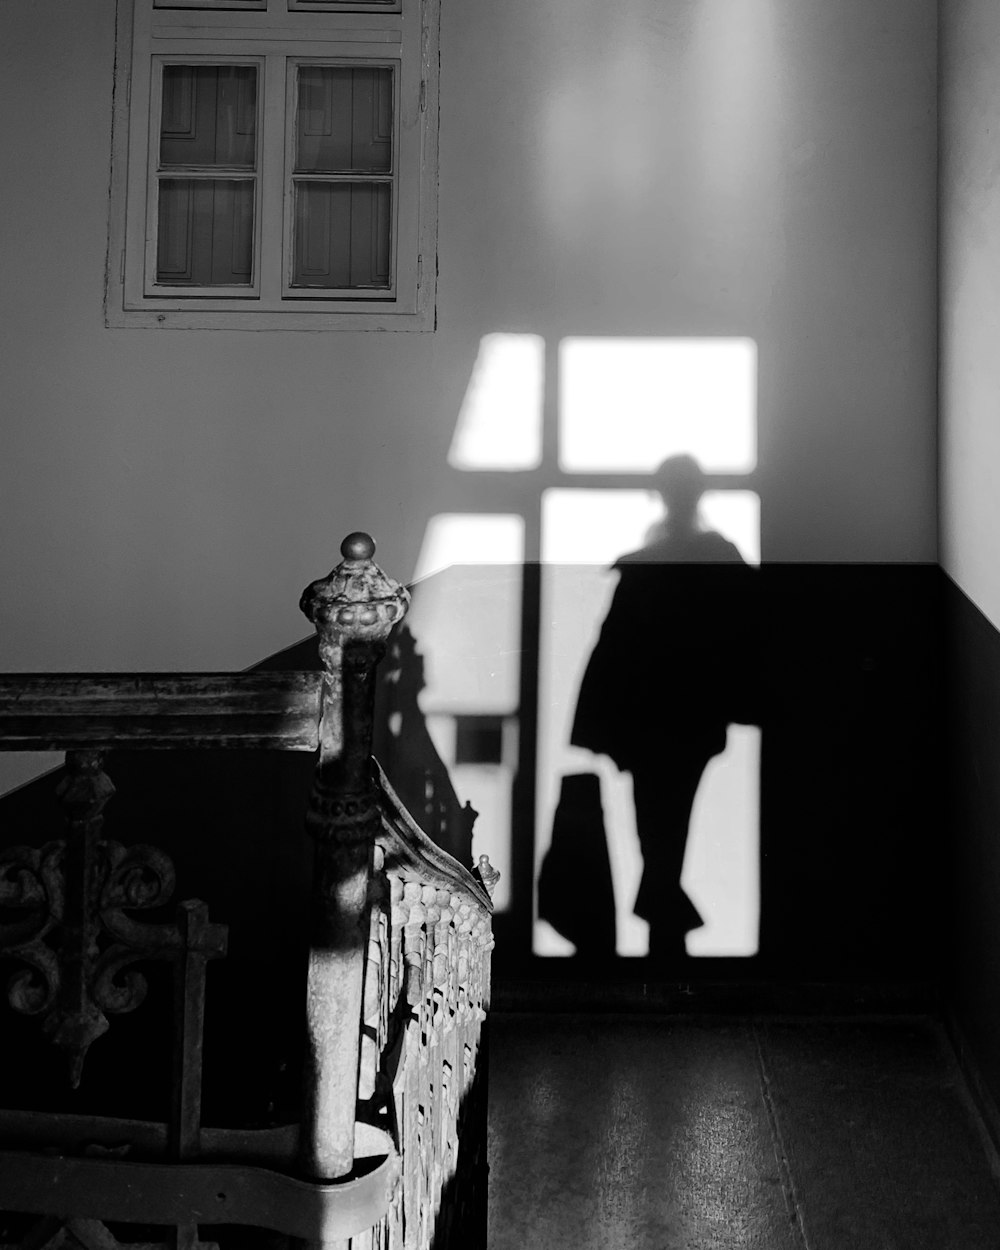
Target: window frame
x=158 y=63
x=403 y=34
x=292 y=65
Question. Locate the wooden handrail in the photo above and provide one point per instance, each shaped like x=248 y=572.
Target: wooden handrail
x=159 y=711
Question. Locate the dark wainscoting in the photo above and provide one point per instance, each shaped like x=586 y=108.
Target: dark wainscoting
x=972 y=835
x=852 y=783
x=853 y=854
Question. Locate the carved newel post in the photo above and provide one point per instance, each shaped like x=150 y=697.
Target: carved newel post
x=353 y=610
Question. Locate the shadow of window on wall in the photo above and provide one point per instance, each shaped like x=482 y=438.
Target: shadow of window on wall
x=587 y=422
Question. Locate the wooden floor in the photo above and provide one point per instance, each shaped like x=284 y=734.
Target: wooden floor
x=642 y=1132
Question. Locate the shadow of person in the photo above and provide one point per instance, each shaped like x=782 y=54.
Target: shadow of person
x=575 y=891
x=674 y=665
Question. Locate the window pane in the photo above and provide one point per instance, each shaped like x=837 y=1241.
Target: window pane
x=344 y=120
x=342 y=234
x=209 y=116
x=669 y=395
x=205 y=233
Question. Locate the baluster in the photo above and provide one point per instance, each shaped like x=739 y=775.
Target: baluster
x=371 y=1029
x=413 y=944
x=454 y=949
x=76 y=1020
x=198 y=942
x=353 y=611
x=441 y=930
x=385 y=999
x=397 y=919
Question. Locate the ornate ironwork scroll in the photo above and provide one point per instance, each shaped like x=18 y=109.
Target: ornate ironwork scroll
x=70 y=903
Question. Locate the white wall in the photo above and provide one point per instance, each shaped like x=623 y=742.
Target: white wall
x=653 y=167
x=970 y=300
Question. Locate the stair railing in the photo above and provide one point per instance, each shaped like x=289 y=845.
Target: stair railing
x=389 y=1148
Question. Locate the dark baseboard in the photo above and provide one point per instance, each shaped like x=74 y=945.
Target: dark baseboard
x=719 y=998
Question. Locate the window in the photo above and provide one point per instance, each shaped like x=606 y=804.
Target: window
x=274 y=165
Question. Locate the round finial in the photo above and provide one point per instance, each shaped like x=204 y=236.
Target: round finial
x=487 y=874
x=358 y=546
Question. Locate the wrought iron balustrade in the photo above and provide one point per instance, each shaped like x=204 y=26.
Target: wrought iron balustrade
x=387 y=1146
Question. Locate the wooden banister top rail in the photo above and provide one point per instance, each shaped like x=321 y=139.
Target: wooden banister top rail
x=354 y=608
x=105 y=711
x=163 y=711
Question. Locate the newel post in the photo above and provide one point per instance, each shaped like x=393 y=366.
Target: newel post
x=353 y=610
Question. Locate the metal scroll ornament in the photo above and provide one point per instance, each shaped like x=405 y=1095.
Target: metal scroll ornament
x=69 y=903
